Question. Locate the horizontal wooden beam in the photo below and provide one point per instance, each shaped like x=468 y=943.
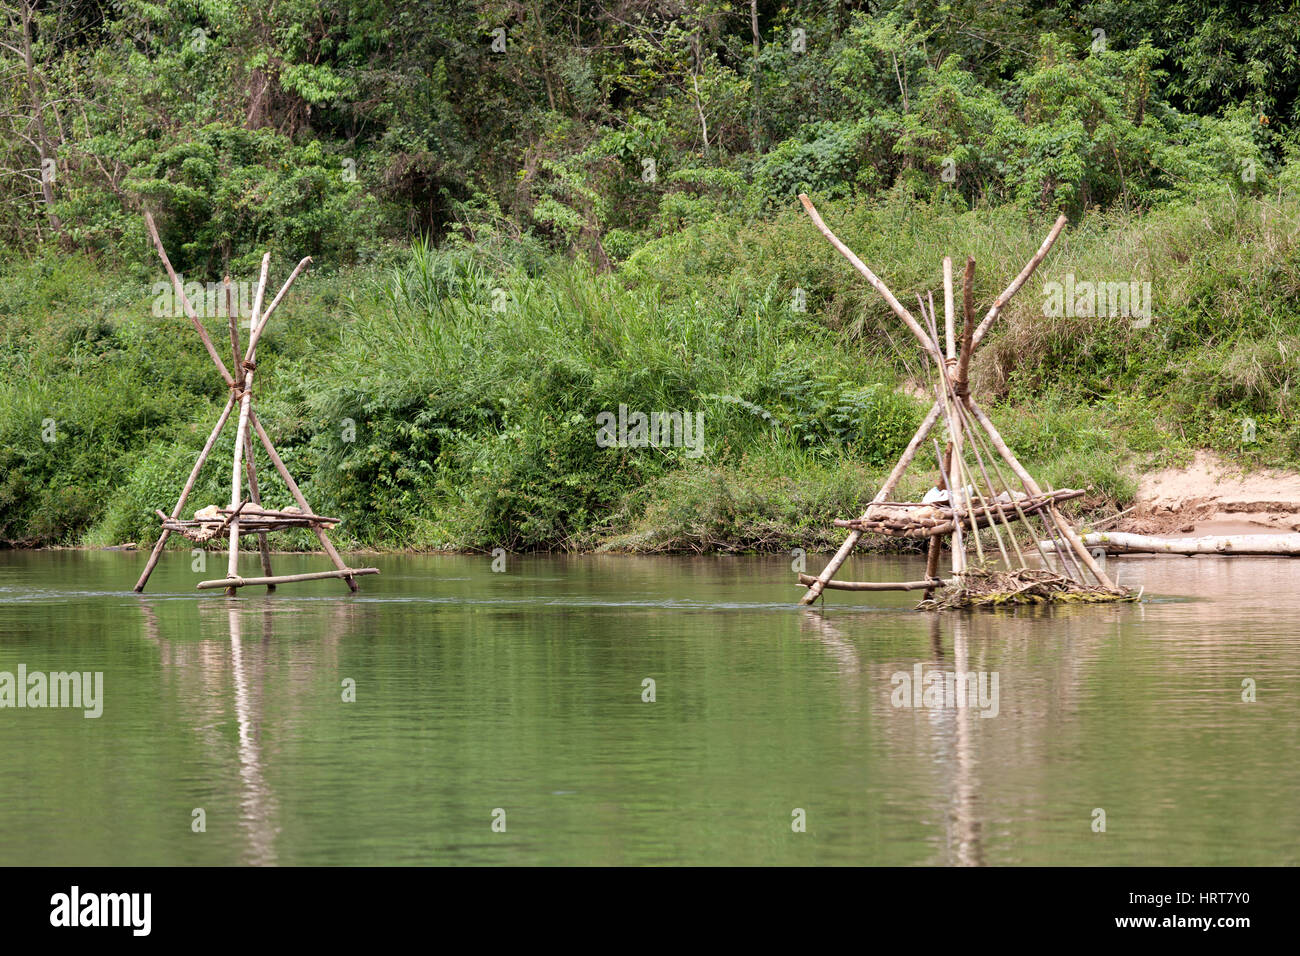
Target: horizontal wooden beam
x=285 y=578
x=808 y=579
x=255 y=511
x=984 y=517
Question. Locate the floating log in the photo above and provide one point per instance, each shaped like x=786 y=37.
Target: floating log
x=285 y=578
x=1118 y=542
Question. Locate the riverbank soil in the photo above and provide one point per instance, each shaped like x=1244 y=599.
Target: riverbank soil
x=1210 y=496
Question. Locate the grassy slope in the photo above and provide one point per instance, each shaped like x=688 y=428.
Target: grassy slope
x=470 y=379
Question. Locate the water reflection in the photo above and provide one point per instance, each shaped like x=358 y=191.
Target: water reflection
x=839 y=646
x=257 y=803
x=524 y=690
x=236 y=668
x=964 y=821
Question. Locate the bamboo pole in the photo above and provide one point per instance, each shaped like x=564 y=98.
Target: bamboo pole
x=936 y=543
x=978 y=494
x=953 y=401
x=245 y=385
x=233 y=321
x=255 y=335
x=185 y=303
x=958 y=547
x=1006 y=522
x=1074 y=575
x=1069 y=567
x=302 y=502
x=955 y=480
x=962 y=377
x=185 y=492
x=949 y=315
x=958 y=471
x=1067 y=532
x=847 y=547
x=230 y=584
x=870 y=276
x=1019 y=280
x=932 y=556
x=250 y=466
x=255 y=495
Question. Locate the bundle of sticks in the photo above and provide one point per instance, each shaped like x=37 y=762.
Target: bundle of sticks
x=908 y=520
x=979 y=587
x=215 y=522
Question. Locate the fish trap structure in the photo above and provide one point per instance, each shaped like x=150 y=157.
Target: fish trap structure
x=973 y=492
x=245 y=515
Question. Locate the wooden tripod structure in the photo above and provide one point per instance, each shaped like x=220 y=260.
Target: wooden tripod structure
x=243 y=514
x=969 y=499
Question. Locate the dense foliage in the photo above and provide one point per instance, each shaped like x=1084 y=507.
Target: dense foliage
x=524 y=214
x=322 y=126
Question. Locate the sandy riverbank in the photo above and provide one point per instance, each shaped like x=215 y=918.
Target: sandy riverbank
x=1210 y=496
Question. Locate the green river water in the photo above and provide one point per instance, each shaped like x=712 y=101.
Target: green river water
x=518 y=697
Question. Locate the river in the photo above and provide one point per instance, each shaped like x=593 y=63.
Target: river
x=505 y=717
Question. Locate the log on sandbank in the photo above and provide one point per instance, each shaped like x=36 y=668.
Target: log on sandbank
x=1117 y=542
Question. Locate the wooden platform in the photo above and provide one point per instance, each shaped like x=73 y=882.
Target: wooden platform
x=917 y=520
x=252 y=520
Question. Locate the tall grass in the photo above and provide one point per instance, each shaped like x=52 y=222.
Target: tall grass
x=478 y=405
x=449 y=398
